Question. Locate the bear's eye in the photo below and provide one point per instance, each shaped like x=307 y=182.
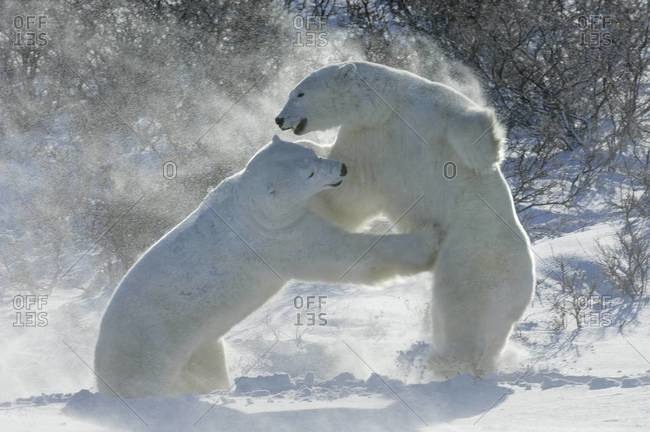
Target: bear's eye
x=311 y=175
x=300 y=94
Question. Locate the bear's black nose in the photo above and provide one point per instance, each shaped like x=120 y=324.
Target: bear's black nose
x=344 y=170
x=279 y=121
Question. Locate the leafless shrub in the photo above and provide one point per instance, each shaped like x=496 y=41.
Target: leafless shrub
x=88 y=120
x=626 y=264
x=575 y=298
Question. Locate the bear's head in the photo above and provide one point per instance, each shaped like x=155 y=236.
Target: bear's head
x=330 y=97
x=282 y=176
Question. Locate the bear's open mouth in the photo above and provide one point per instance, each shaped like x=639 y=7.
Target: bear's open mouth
x=337 y=184
x=300 y=126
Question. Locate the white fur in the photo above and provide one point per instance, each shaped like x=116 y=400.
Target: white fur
x=397 y=133
x=161 y=331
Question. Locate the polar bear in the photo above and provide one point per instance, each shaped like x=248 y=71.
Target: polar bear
x=161 y=331
x=420 y=152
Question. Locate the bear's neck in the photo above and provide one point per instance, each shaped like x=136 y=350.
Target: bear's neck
x=375 y=90
x=264 y=218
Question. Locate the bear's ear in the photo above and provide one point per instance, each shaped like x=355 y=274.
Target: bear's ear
x=276 y=139
x=346 y=71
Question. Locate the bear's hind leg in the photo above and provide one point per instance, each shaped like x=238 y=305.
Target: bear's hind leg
x=480 y=290
x=465 y=292
x=206 y=369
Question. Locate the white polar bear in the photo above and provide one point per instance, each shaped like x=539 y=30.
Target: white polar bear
x=421 y=152
x=161 y=331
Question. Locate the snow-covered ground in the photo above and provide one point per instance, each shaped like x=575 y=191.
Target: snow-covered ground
x=354 y=365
